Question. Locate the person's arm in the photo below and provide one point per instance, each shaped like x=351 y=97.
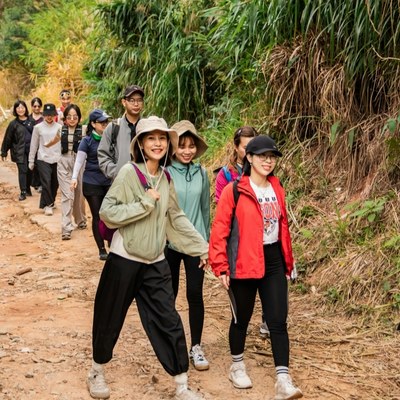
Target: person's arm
x=220 y=183
x=33 y=147
x=79 y=161
x=6 y=145
x=106 y=162
x=117 y=210
x=55 y=139
x=220 y=231
x=180 y=231
x=205 y=202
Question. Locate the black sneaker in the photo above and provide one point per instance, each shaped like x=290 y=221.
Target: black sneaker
x=22 y=196
x=103 y=254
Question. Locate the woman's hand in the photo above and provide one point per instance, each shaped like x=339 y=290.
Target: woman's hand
x=74 y=184
x=203 y=263
x=224 y=279
x=153 y=194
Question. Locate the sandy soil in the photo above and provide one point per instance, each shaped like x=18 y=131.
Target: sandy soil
x=46 y=315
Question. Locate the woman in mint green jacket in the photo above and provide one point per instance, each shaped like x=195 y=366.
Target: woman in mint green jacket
x=142 y=205
x=193 y=189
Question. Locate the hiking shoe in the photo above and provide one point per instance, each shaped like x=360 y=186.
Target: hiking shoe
x=184 y=393
x=238 y=376
x=22 y=196
x=66 y=236
x=264 y=331
x=197 y=357
x=82 y=225
x=285 y=390
x=103 y=254
x=97 y=385
x=48 y=210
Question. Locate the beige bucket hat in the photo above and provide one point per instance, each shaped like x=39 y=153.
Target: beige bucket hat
x=184 y=126
x=150 y=124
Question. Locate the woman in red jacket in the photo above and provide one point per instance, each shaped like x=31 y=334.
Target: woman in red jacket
x=250 y=252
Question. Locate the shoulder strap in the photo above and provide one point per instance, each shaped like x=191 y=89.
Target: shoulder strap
x=114 y=133
x=141 y=177
x=143 y=180
x=227 y=173
x=236 y=192
x=167 y=174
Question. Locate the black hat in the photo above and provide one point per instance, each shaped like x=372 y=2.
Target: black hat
x=132 y=89
x=49 y=109
x=262 y=144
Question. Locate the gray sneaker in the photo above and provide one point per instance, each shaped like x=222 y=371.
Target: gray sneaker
x=264 y=331
x=97 y=385
x=198 y=359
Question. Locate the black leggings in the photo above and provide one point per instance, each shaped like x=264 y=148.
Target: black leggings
x=94 y=202
x=194 y=289
x=273 y=292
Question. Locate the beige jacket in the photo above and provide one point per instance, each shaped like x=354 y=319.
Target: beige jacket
x=145 y=223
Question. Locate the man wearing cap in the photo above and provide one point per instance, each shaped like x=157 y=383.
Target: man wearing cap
x=113 y=151
x=47 y=157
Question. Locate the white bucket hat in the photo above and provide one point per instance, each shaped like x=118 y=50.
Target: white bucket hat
x=150 y=124
x=184 y=126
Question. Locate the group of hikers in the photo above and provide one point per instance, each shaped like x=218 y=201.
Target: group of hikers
x=150 y=203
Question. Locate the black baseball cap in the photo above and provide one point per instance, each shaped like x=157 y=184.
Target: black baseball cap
x=261 y=144
x=133 y=89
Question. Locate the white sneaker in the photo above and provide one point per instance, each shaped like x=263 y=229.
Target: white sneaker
x=264 y=331
x=285 y=390
x=239 y=377
x=184 y=393
x=97 y=385
x=48 y=210
x=198 y=359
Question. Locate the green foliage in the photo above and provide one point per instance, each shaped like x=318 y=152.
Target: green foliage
x=369 y=210
x=159 y=45
x=51 y=29
x=14 y=29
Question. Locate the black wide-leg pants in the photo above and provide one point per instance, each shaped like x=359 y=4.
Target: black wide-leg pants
x=121 y=282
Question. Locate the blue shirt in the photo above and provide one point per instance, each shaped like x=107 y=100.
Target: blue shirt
x=92 y=174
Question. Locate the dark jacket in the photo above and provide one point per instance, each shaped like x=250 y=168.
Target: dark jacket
x=17 y=139
x=243 y=256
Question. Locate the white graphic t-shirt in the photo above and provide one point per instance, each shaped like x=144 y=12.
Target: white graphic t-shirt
x=270 y=211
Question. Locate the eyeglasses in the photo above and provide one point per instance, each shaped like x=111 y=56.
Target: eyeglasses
x=265 y=157
x=36 y=106
x=65 y=95
x=104 y=123
x=69 y=117
x=133 y=100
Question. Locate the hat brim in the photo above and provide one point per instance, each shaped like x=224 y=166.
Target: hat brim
x=264 y=150
x=102 y=118
x=201 y=145
x=172 y=136
x=134 y=91
x=49 y=113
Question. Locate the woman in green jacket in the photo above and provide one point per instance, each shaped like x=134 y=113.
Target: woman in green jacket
x=144 y=214
x=193 y=189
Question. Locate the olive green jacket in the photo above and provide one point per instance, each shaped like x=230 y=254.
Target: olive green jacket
x=144 y=223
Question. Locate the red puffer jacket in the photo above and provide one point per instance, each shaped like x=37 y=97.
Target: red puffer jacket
x=243 y=257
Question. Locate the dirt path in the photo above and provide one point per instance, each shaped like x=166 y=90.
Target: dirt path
x=46 y=314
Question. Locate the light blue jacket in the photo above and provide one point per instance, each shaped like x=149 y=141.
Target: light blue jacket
x=192 y=187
